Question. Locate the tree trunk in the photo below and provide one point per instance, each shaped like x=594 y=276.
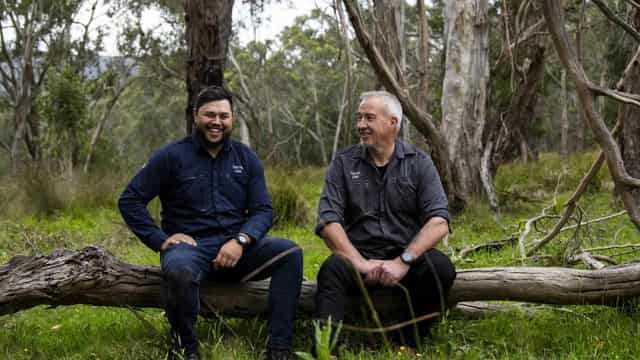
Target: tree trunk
x=630 y=120
x=580 y=120
x=208 y=31
x=24 y=100
x=465 y=90
x=106 y=114
x=92 y=276
x=387 y=35
x=345 y=107
x=630 y=137
x=423 y=57
x=564 y=119
x=316 y=120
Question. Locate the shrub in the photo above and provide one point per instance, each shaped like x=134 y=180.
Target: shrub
x=289 y=206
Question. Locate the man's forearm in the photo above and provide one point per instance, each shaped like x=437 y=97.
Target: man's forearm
x=429 y=235
x=337 y=240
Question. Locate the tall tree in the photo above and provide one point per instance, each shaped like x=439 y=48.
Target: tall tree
x=33 y=32
x=630 y=120
x=464 y=93
x=517 y=78
x=208 y=26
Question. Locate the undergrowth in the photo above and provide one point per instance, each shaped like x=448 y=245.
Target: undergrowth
x=40 y=212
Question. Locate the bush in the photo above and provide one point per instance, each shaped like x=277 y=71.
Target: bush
x=37 y=189
x=289 y=206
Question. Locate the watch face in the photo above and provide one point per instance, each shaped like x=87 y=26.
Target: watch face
x=243 y=240
x=407 y=257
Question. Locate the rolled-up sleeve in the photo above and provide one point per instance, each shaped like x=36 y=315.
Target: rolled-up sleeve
x=332 y=202
x=145 y=186
x=260 y=210
x=431 y=196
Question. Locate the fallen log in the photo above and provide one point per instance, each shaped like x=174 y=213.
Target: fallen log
x=94 y=277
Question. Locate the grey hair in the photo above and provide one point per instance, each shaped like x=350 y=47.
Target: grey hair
x=391 y=103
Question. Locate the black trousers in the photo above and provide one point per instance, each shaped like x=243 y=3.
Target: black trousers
x=428 y=281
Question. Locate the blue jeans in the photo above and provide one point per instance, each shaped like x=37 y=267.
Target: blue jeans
x=185 y=266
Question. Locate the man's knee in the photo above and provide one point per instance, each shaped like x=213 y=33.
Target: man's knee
x=291 y=252
x=443 y=268
x=181 y=274
x=335 y=269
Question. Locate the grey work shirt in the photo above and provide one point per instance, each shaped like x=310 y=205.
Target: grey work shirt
x=381 y=214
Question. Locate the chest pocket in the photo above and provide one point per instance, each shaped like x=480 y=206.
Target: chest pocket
x=237 y=189
x=402 y=194
x=192 y=191
x=363 y=197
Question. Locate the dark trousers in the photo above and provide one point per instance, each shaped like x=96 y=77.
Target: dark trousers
x=185 y=266
x=428 y=281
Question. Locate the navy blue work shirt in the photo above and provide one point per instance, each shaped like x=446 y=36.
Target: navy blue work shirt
x=201 y=196
x=381 y=213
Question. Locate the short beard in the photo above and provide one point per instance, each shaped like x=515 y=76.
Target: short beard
x=208 y=144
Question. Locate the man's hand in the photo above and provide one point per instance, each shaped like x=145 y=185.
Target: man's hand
x=393 y=271
x=176 y=239
x=371 y=269
x=228 y=255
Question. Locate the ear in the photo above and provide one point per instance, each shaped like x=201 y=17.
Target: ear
x=394 y=121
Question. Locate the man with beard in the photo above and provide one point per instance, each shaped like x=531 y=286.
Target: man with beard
x=216 y=212
x=382 y=212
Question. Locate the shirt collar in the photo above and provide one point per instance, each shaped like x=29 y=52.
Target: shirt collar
x=200 y=146
x=401 y=149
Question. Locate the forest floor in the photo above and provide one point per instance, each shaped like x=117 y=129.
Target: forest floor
x=37 y=216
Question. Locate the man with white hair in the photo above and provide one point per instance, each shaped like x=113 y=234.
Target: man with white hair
x=382 y=212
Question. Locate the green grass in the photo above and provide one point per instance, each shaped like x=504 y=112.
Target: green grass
x=78 y=214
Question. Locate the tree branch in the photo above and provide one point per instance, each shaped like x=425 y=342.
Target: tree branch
x=616 y=19
x=633 y=3
x=554 y=16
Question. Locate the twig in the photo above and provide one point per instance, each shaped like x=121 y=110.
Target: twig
x=616 y=19
x=605 y=258
x=217 y=315
x=269 y=263
x=611 y=247
x=169 y=70
x=624 y=253
x=153 y=333
x=385 y=329
x=491 y=245
x=589 y=261
x=571 y=203
x=595 y=220
x=527 y=230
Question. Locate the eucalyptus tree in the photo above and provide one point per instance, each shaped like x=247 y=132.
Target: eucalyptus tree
x=33 y=37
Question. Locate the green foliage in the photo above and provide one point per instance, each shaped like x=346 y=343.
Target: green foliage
x=539 y=180
x=289 y=207
x=63 y=108
x=37 y=190
x=324 y=343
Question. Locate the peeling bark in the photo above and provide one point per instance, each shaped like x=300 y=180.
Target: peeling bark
x=464 y=93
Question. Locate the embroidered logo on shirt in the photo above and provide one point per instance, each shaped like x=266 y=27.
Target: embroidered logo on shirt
x=237 y=169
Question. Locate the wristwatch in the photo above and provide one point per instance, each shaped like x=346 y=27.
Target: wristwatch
x=243 y=240
x=408 y=257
